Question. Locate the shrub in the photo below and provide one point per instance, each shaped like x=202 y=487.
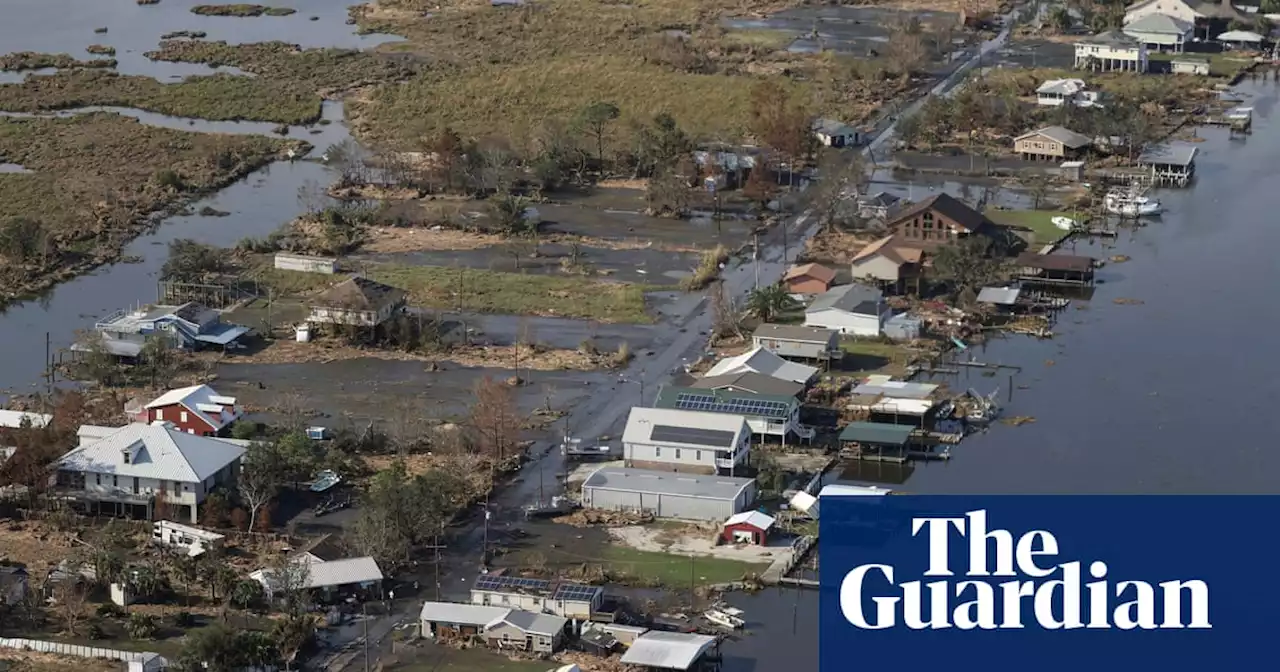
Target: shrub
x=110 y=610
x=142 y=626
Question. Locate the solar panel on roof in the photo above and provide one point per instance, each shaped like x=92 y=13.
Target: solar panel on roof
x=689 y=401
x=487 y=582
x=692 y=435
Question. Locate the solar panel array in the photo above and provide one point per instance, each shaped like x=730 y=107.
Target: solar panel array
x=692 y=436
x=576 y=592
x=487 y=582
x=689 y=401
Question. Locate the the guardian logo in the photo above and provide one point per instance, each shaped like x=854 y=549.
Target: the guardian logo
x=1041 y=591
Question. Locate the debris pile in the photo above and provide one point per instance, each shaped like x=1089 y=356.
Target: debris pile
x=600 y=517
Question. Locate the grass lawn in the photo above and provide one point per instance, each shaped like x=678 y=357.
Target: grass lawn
x=448 y=659
x=675 y=570
x=1044 y=231
x=866 y=356
x=1225 y=64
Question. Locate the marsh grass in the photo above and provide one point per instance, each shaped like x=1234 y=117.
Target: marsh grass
x=241 y=10
x=318 y=69
x=31 y=60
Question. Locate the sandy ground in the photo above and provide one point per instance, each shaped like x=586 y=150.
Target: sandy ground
x=387 y=239
x=497 y=356
x=663 y=540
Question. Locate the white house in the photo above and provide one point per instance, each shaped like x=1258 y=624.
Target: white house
x=850 y=309
x=1190 y=11
x=358 y=302
x=1112 y=50
x=761 y=360
x=562 y=598
x=137 y=467
x=1161 y=31
x=1059 y=92
x=666 y=439
x=832 y=133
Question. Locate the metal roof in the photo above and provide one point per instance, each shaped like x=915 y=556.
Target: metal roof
x=14 y=419
x=832 y=127
x=795 y=332
x=1240 y=36
x=667 y=483
x=750 y=382
x=325 y=574
x=1056 y=262
x=1066 y=136
x=1000 y=296
x=1112 y=38
x=1066 y=87
x=877 y=432
x=692 y=428
x=853 y=298
x=462 y=614
x=745 y=404
x=528 y=621
x=756 y=519
x=899 y=389
x=1158 y=23
x=155 y=451
x=761 y=360
x=1176 y=154
x=667 y=650
x=877 y=403
x=198 y=398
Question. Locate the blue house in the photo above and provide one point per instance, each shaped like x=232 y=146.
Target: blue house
x=191 y=326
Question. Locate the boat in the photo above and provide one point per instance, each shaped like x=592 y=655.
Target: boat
x=558 y=506
x=325 y=480
x=1064 y=223
x=723 y=620
x=1130 y=204
x=728 y=609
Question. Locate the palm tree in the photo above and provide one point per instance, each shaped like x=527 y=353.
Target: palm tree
x=767 y=302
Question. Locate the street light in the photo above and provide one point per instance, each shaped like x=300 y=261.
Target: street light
x=623 y=379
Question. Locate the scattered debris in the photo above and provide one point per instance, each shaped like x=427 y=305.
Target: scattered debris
x=1120 y=258
x=1122 y=301
x=590 y=517
x=1017 y=420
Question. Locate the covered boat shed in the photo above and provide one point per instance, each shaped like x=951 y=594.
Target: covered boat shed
x=1173 y=163
x=1055 y=269
x=876 y=441
x=657 y=650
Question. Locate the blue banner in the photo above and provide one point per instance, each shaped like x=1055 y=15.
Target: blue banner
x=1047 y=583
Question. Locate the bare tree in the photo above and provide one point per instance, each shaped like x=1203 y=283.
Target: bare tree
x=70 y=595
x=493 y=418
x=288 y=578
x=260 y=478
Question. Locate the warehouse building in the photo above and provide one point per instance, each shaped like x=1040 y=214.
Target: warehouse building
x=668 y=495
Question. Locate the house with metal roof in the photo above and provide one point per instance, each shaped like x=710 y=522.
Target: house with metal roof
x=657 y=650
x=766 y=414
x=1111 y=50
x=328 y=577
x=668 y=495
x=190 y=326
x=1054 y=143
x=798 y=342
x=760 y=360
x=693 y=441
x=448 y=620
x=1161 y=32
x=527 y=631
x=832 y=133
x=131 y=469
x=849 y=309
x=197 y=409
x=749 y=382
x=562 y=598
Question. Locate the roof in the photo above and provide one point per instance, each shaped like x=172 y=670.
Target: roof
x=880 y=199
x=667 y=650
x=879 y=403
x=556 y=590
x=359 y=293
x=1056 y=262
x=795 y=332
x=886 y=248
x=877 y=432
x=699 y=429
x=841 y=490
x=94 y=432
x=698 y=486
x=324 y=574
x=1212 y=9
x=756 y=519
x=1176 y=154
x=855 y=298
x=1000 y=296
x=1066 y=136
x=1112 y=38
x=815 y=271
x=727 y=160
x=832 y=127
x=1065 y=87
x=157 y=451
x=15 y=419
x=1240 y=36
x=528 y=621
x=749 y=381
x=201 y=400
x=463 y=614
x=746 y=404
x=948 y=206
x=898 y=389
x=1158 y=23
x=763 y=361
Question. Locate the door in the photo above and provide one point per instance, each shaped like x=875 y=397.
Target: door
x=135 y=485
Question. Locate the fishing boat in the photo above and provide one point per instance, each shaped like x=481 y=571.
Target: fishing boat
x=325 y=480
x=1064 y=223
x=728 y=609
x=723 y=620
x=1131 y=204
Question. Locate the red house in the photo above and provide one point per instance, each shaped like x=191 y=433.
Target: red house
x=195 y=410
x=748 y=527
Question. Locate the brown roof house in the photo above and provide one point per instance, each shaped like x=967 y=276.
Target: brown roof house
x=359 y=302
x=885 y=262
x=1052 y=143
x=939 y=220
x=808 y=279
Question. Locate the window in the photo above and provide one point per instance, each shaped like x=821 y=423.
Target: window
x=677 y=453
x=182 y=416
x=657 y=451
x=115 y=481
x=97 y=478
x=697 y=455
x=506 y=599
x=159 y=414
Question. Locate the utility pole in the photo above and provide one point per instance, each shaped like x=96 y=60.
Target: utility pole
x=364 y=609
x=693 y=595
x=755 y=254
x=437 y=563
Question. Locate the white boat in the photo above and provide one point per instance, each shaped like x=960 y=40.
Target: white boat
x=730 y=610
x=1064 y=223
x=1131 y=205
x=723 y=620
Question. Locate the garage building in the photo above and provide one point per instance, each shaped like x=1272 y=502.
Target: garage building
x=667 y=494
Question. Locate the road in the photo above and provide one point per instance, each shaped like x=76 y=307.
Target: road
x=605 y=413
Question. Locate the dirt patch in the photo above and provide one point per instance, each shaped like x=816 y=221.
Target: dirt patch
x=474 y=356
x=619 y=183
x=390 y=240
x=837 y=246
x=691 y=540
x=48 y=662
x=33 y=545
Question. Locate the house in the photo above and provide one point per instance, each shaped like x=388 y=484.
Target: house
x=191 y=540
x=1182 y=10
x=749 y=382
x=808 y=279
x=1112 y=50
x=849 y=309
x=357 y=301
x=197 y=409
x=833 y=133
x=879 y=205
x=329 y=577
x=139 y=467
x=14 y=584
x=786 y=340
x=562 y=598
x=685 y=440
x=527 y=631
x=885 y=262
x=1059 y=92
x=903 y=327
x=748 y=527
x=760 y=360
x=1161 y=32
x=448 y=620
x=190 y=326
x=668 y=495
x=1210 y=17
x=1189 y=65
x=728 y=169
x=765 y=414
x=1051 y=142
x=939 y=220
x=657 y=650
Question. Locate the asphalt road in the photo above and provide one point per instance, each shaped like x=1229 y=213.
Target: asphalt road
x=683 y=340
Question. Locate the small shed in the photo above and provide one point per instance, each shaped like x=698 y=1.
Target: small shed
x=1189 y=65
x=657 y=650
x=832 y=133
x=808 y=279
x=748 y=527
x=903 y=327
